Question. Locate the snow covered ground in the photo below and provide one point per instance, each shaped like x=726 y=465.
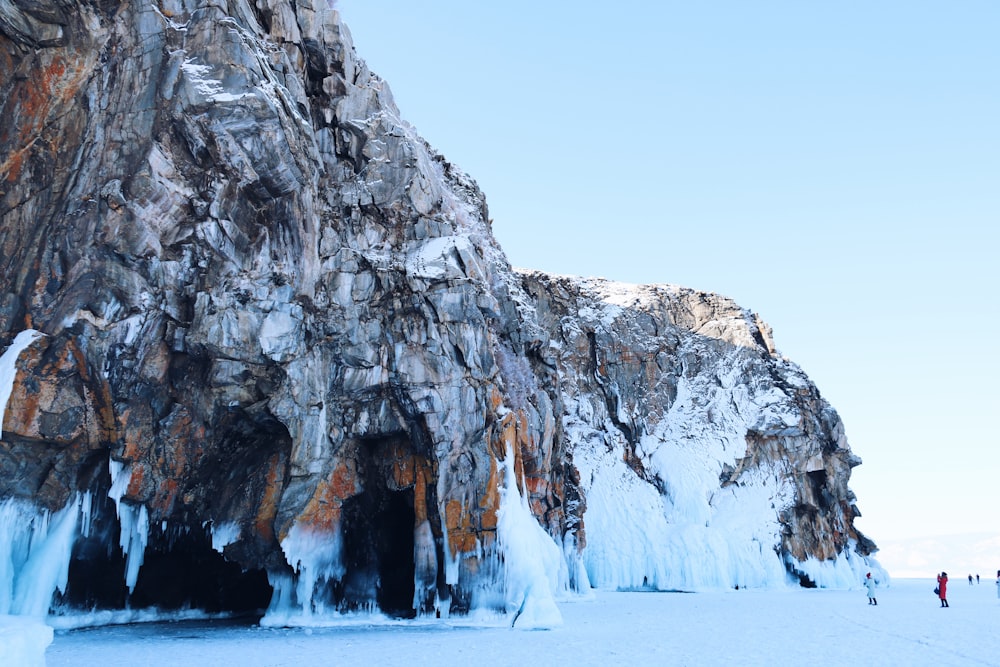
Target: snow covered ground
x=746 y=627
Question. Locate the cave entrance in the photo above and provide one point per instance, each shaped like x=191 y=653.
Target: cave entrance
x=395 y=558
x=180 y=570
x=378 y=550
x=378 y=531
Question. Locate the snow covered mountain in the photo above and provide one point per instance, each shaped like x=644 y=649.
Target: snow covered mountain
x=262 y=350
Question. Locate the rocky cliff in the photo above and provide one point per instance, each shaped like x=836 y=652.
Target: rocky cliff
x=282 y=361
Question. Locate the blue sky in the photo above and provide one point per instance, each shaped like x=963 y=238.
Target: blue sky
x=834 y=167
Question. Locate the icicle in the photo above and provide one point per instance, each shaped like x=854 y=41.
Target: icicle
x=8 y=367
x=120 y=477
x=86 y=514
x=134 y=522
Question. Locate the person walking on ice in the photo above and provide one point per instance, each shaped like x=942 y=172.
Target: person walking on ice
x=943 y=588
x=998 y=583
x=870 y=585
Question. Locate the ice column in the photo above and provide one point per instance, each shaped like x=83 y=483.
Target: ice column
x=35 y=551
x=8 y=369
x=316 y=557
x=534 y=566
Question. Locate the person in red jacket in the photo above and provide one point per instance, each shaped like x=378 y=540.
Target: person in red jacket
x=943 y=588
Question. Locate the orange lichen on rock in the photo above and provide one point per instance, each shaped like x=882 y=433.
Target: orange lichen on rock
x=423 y=474
x=504 y=432
x=134 y=490
x=100 y=415
x=133 y=431
x=461 y=532
x=489 y=502
x=322 y=512
x=496 y=399
x=165 y=496
x=24 y=404
x=30 y=106
x=268 y=508
x=537 y=486
x=344 y=482
x=403 y=466
x=59 y=385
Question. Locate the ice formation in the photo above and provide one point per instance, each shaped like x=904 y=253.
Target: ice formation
x=224 y=534
x=134 y=522
x=35 y=550
x=845 y=571
x=522 y=576
x=315 y=558
x=23 y=641
x=640 y=538
x=676 y=527
x=533 y=566
x=35 y=546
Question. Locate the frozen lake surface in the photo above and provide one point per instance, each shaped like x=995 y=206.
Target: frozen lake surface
x=747 y=627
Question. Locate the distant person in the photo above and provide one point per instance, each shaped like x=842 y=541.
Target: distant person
x=977 y=580
x=870 y=585
x=998 y=583
x=970 y=579
x=943 y=588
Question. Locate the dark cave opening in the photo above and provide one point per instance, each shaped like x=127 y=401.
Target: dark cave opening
x=180 y=570
x=396 y=567
x=378 y=550
x=805 y=581
x=97 y=566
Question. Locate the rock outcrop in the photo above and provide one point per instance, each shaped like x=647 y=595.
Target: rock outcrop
x=280 y=338
x=678 y=400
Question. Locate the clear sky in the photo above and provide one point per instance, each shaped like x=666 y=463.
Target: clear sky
x=833 y=166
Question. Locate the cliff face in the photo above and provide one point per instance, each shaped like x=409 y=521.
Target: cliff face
x=678 y=401
x=277 y=324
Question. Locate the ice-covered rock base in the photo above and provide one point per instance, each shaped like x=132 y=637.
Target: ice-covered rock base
x=23 y=641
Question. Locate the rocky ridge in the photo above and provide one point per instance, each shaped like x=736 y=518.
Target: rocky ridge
x=282 y=346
